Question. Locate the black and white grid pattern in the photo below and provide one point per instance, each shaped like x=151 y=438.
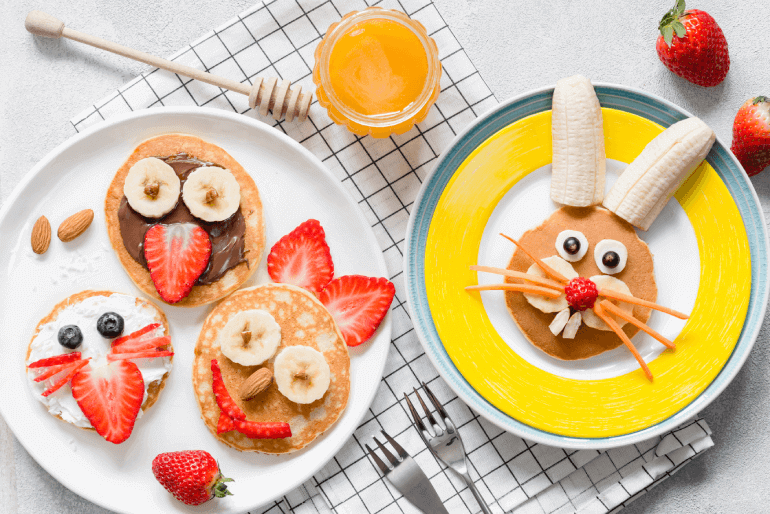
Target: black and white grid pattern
x=279 y=38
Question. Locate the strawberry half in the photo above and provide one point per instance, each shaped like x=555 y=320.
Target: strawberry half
x=302 y=258
x=177 y=255
x=110 y=396
x=358 y=304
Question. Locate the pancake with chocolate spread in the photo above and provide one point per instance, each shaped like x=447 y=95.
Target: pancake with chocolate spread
x=303 y=321
x=236 y=243
x=596 y=224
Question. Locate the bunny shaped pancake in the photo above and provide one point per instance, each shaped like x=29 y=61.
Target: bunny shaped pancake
x=583 y=282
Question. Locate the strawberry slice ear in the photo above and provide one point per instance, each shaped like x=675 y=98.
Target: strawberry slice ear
x=302 y=258
x=358 y=305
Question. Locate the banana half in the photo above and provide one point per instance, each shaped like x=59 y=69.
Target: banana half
x=578 y=144
x=651 y=179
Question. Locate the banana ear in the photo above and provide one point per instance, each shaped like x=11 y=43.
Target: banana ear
x=646 y=185
x=577 y=177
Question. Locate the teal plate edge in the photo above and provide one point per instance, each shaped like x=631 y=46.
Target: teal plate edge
x=613 y=96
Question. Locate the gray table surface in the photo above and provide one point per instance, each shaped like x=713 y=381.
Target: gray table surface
x=516 y=46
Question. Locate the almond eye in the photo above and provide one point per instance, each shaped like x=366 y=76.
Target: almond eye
x=571 y=245
x=610 y=256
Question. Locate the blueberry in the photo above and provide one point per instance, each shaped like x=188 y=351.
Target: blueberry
x=572 y=245
x=70 y=336
x=611 y=259
x=110 y=324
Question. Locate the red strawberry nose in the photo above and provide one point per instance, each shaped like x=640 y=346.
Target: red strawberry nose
x=581 y=293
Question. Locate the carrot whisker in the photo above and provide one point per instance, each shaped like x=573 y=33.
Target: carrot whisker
x=543 y=266
x=518 y=274
x=523 y=288
x=642 y=303
x=623 y=337
x=612 y=308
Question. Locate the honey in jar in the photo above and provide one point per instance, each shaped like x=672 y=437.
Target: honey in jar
x=377 y=72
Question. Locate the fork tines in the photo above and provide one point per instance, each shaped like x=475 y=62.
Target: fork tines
x=391 y=458
x=428 y=413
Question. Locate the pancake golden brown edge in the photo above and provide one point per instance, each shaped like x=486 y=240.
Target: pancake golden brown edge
x=596 y=224
x=251 y=208
x=154 y=389
x=303 y=321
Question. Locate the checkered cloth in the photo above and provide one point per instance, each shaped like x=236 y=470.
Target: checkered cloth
x=384 y=175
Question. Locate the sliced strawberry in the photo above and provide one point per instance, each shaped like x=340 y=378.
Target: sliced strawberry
x=223 y=398
x=302 y=258
x=72 y=370
x=55 y=370
x=140 y=345
x=358 y=304
x=176 y=255
x=58 y=359
x=225 y=423
x=256 y=430
x=135 y=335
x=153 y=354
x=110 y=396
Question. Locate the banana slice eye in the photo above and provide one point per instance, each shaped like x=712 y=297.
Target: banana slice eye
x=610 y=256
x=571 y=245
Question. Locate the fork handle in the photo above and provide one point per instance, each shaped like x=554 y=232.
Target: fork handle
x=476 y=494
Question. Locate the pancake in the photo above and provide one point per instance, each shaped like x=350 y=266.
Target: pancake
x=155 y=387
x=251 y=208
x=596 y=224
x=303 y=321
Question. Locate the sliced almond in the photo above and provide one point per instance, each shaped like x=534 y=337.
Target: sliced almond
x=75 y=225
x=41 y=235
x=256 y=384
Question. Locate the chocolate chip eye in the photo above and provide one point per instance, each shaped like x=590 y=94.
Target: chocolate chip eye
x=571 y=245
x=610 y=256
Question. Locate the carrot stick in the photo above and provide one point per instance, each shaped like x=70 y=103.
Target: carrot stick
x=623 y=337
x=518 y=274
x=543 y=266
x=606 y=304
x=524 y=288
x=643 y=303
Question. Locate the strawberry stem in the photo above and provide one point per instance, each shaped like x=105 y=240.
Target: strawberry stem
x=671 y=23
x=759 y=100
x=220 y=487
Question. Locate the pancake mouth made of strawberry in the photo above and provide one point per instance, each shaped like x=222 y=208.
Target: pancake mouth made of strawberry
x=185 y=220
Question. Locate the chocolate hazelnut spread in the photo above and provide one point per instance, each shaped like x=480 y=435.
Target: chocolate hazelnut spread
x=226 y=236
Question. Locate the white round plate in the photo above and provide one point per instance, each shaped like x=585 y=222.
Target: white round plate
x=294 y=186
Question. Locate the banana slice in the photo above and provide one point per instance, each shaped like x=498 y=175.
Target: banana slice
x=301 y=374
x=151 y=187
x=578 y=144
x=651 y=179
x=250 y=337
x=547 y=304
x=613 y=284
x=572 y=326
x=559 y=322
x=211 y=193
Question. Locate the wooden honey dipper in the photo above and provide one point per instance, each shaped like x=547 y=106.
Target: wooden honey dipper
x=281 y=99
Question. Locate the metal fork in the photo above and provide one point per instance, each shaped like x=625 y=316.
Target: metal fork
x=407 y=477
x=444 y=441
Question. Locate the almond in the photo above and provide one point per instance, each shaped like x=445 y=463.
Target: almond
x=256 y=383
x=75 y=225
x=41 y=235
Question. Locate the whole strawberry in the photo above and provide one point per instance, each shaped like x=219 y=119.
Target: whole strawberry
x=192 y=476
x=751 y=135
x=692 y=45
